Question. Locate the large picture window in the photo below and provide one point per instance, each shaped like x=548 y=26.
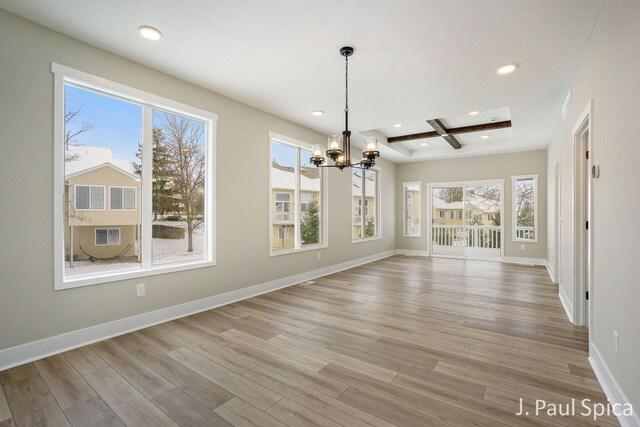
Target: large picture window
x=525 y=208
x=365 y=192
x=298 y=202
x=135 y=175
x=412 y=211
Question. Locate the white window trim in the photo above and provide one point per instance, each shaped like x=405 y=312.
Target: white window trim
x=404 y=206
x=75 y=195
x=324 y=202
x=66 y=75
x=95 y=236
x=377 y=207
x=135 y=198
x=514 y=215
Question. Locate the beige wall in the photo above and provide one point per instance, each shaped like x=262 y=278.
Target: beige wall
x=500 y=166
x=29 y=308
x=608 y=74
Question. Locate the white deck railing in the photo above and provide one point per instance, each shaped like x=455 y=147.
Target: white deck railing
x=476 y=236
x=524 y=233
x=284 y=217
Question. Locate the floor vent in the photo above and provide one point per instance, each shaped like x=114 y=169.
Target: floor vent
x=308 y=282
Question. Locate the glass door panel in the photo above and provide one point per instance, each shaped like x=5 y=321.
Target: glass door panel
x=482 y=214
x=447 y=221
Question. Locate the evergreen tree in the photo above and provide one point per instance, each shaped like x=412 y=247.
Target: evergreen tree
x=496 y=219
x=163 y=200
x=370 y=228
x=310 y=225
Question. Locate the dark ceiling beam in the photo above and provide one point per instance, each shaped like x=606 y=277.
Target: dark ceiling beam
x=455 y=131
x=444 y=133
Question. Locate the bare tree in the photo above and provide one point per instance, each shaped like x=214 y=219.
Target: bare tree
x=451 y=194
x=184 y=144
x=71 y=132
x=524 y=202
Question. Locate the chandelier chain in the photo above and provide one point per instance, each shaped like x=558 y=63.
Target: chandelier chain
x=346 y=84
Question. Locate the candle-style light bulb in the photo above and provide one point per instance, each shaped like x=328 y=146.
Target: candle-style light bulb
x=335 y=142
x=371 y=144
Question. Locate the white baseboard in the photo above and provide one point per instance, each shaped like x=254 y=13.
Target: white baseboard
x=411 y=252
x=35 y=350
x=552 y=274
x=566 y=303
x=524 y=261
x=610 y=386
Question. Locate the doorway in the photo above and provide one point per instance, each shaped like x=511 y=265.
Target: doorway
x=466 y=219
x=583 y=224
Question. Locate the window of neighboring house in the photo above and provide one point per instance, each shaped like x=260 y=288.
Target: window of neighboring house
x=298 y=202
x=442 y=214
x=365 y=190
x=525 y=208
x=89 y=197
x=156 y=157
x=122 y=198
x=490 y=217
x=107 y=236
x=477 y=217
x=411 y=191
x=283 y=233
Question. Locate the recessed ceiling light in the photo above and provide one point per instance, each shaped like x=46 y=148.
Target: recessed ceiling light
x=473 y=113
x=424 y=144
x=317 y=113
x=149 y=33
x=485 y=137
x=506 y=69
x=397 y=125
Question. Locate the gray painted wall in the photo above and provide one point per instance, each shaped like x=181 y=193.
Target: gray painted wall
x=500 y=166
x=29 y=308
x=607 y=75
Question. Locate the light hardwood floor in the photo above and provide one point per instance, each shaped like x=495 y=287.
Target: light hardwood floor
x=403 y=341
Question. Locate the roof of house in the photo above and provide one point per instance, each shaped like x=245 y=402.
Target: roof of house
x=86 y=158
x=283 y=177
x=484 y=203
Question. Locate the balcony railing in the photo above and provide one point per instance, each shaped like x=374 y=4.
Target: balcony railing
x=525 y=233
x=284 y=217
x=476 y=236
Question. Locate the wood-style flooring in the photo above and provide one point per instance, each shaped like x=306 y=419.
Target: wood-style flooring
x=404 y=341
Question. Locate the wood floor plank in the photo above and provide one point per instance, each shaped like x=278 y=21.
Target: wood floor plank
x=320 y=403
x=18 y=374
x=32 y=404
x=256 y=395
x=137 y=373
x=241 y=414
x=85 y=360
x=93 y=413
x=187 y=411
x=5 y=412
x=65 y=383
x=294 y=415
x=130 y=405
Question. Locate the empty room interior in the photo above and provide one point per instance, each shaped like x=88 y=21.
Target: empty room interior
x=337 y=213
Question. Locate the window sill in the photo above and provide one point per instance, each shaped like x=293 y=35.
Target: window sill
x=412 y=235
x=365 y=239
x=77 y=282
x=525 y=240
x=301 y=249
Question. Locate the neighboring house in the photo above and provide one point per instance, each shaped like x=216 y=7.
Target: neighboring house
x=412 y=210
x=102 y=205
x=369 y=203
x=283 y=209
x=480 y=210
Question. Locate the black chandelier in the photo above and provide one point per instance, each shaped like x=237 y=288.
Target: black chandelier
x=339 y=146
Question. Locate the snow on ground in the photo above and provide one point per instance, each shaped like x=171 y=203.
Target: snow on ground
x=164 y=251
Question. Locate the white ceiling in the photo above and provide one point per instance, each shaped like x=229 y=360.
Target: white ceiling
x=414 y=59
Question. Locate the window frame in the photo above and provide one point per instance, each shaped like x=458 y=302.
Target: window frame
x=95 y=236
x=135 y=198
x=514 y=213
x=91 y=186
x=324 y=200
x=377 y=205
x=405 y=185
x=63 y=75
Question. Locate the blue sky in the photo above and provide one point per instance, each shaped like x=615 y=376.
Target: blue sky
x=115 y=124
x=285 y=155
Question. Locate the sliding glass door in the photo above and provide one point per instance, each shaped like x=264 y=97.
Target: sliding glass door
x=466 y=220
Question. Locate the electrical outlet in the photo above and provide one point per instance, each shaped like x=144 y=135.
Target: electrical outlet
x=522 y=247
x=616 y=342
x=319 y=255
x=140 y=292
